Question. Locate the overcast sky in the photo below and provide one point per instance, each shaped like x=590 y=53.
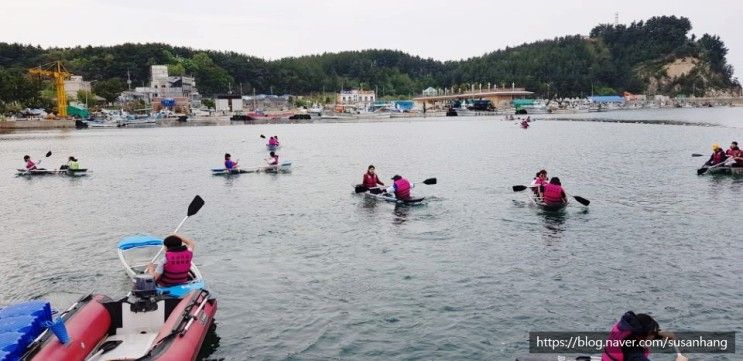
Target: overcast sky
x=273 y=29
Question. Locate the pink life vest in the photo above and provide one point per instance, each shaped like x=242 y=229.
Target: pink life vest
x=273 y=141
x=402 y=189
x=176 y=267
x=612 y=353
x=540 y=181
x=30 y=165
x=370 y=180
x=552 y=193
x=274 y=160
x=718 y=157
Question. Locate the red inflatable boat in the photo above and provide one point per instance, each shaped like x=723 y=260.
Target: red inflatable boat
x=141 y=326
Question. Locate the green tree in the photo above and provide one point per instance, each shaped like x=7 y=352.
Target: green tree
x=109 y=89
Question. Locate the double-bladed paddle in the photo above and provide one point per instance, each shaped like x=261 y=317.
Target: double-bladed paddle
x=579 y=199
x=193 y=208
x=705 y=168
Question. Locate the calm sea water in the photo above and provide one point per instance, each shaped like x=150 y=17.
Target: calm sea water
x=304 y=269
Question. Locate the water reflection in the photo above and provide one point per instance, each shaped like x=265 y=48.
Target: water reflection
x=210 y=345
x=554 y=223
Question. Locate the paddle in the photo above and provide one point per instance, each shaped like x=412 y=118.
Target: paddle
x=360 y=188
x=263 y=136
x=704 y=168
x=579 y=199
x=48 y=154
x=193 y=208
x=697 y=155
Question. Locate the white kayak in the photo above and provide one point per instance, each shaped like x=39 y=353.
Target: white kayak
x=135 y=252
x=64 y=172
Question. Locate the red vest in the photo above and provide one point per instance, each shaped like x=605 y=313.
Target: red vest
x=552 y=194
x=717 y=157
x=370 y=180
x=402 y=189
x=177 y=265
x=612 y=353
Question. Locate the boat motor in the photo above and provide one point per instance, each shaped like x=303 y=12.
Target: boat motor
x=144 y=292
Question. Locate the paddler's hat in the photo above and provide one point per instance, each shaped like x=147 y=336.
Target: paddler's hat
x=716 y=146
x=396 y=177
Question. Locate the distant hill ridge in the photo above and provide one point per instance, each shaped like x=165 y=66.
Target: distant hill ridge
x=654 y=56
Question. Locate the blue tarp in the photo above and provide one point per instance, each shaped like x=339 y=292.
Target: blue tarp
x=404 y=104
x=606 y=99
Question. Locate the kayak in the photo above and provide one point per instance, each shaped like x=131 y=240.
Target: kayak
x=285 y=167
x=391 y=198
x=66 y=172
x=140 y=326
x=223 y=171
x=135 y=252
x=550 y=207
x=272 y=147
x=725 y=170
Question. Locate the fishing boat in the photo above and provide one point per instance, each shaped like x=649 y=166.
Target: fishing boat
x=136 y=252
x=144 y=325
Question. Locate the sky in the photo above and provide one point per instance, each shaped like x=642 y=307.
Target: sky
x=271 y=29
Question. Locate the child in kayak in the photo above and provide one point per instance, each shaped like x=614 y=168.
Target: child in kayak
x=72 y=164
x=273 y=159
x=370 y=178
x=173 y=268
x=228 y=163
x=400 y=188
x=539 y=180
x=30 y=164
x=552 y=192
x=634 y=327
x=273 y=141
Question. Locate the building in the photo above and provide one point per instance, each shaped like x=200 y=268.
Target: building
x=354 y=100
x=76 y=84
x=227 y=103
x=499 y=97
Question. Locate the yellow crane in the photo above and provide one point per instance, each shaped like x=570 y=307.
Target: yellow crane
x=57 y=72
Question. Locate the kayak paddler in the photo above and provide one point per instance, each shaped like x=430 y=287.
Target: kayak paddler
x=540 y=179
x=371 y=180
x=30 y=164
x=173 y=268
x=718 y=155
x=228 y=163
x=552 y=192
x=400 y=188
x=735 y=153
x=273 y=159
x=273 y=141
x=633 y=328
x=72 y=164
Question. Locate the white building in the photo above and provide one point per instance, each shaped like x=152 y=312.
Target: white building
x=164 y=86
x=355 y=99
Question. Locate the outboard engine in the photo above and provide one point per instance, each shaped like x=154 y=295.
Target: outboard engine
x=143 y=293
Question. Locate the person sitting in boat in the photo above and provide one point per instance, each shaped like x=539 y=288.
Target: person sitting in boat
x=72 y=164
x=539 y=180
x=552 y=192
x=228 y=163
x=735 y=153
x=400 y=188
x=273 y=159
x=718 y=155
x=633 y=328
x=273 y=141
x=30 y=164
x=370 y=178
x=173 y=268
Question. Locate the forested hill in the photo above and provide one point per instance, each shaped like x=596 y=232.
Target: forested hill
x=657 y=56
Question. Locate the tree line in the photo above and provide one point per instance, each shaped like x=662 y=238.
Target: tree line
x=614 y=58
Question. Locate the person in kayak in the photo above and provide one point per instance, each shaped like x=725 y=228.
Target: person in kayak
x=72 y=163
x=228 y=163
x=370 y=178
x=400 y=188
x=540 y=179
x=735 y=153
x=633 y=328
x=718 y=155
x=30 y=164
x=273 y=141
x=173 y=268
x=552 y=192
x=273 y=159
